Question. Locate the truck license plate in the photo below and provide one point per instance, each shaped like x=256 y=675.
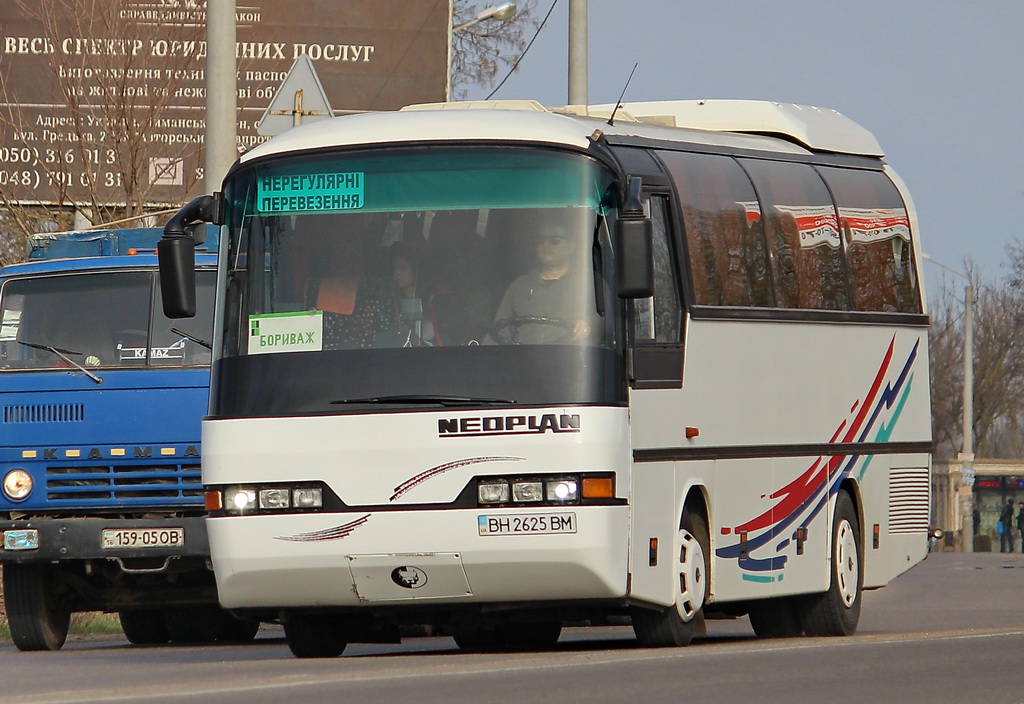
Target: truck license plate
x=143 y=538
x=527 y=524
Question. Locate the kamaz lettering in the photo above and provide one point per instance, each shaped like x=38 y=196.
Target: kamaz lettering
x=508 y=425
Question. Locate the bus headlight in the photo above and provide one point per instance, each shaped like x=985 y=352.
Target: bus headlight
x=17 y=484
x=492 y=493
x=308 y=498
x=275 y=498
x=566 y=490
x=240 y=498
x=527 y=492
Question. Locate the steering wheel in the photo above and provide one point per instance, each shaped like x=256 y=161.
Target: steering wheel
x=506 y=330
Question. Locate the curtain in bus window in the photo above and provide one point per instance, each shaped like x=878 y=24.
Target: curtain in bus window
x=877 y=238
x=803 y=235
x=724 y=238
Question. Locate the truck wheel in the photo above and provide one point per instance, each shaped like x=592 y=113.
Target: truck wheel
x=837 y=611
x=144 y=626
x=775 y=618
x=192 y=624
x=676 y=625
x=315 y=635
x=38 y=615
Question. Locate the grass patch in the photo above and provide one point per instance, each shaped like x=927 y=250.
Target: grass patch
x=84 y=623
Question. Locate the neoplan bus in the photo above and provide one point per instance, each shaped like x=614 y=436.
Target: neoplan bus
x=716 y=403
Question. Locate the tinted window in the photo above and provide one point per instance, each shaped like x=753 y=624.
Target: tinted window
x=803 y=236
x=876 y=236
x=721 y=217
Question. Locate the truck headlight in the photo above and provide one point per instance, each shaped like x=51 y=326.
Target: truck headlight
x=17 y=484
x=240 y=498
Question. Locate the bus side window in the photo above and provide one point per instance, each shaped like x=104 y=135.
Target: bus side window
x=725 y=244
x=657 y=318
x=803 y=235
x=877 y=240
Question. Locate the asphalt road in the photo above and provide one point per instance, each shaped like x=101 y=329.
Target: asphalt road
x=950 y=630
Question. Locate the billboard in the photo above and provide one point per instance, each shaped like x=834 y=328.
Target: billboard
x=103 y=101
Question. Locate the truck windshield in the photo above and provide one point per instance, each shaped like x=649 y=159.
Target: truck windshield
x=441 y=250
x=99 y=319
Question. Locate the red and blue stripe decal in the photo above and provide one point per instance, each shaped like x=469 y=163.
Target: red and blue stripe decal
x=801 y=501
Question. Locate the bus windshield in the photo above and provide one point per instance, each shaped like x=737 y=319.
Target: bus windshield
x=408 y=250
x=103 y=319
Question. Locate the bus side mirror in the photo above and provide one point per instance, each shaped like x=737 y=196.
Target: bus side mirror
x=176 y=254
x=177 y=257
x=634 y=248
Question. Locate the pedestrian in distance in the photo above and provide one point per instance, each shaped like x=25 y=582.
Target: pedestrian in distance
x=1006 y=527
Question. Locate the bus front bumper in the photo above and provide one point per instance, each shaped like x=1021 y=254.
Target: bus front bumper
x=448 y=557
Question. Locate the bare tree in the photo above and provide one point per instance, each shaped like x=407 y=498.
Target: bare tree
x=998 y=344
x=480 y=51
x=114 y=83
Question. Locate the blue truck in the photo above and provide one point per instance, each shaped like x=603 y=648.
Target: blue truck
x=101 y=503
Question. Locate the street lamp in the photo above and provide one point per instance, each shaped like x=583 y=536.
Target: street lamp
x=502 y=13
x=966 y=458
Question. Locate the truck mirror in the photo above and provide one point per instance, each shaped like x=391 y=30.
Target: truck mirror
x=177 y=257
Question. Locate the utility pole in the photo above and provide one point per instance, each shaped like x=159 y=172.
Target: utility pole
x=965 y=493
x=221 y=90
x=578 y=52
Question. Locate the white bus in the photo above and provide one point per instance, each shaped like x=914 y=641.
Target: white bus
x=496 y=368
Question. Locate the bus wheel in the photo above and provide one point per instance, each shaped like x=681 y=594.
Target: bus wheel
x=837 y=611
x=192 y=624
x=233 y=628
x=144 y=626
x=315 y=635
x=776 y=618
x=675 y=626
x=37 y=615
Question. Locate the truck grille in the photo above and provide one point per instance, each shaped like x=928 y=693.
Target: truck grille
x=167 y=483
x=45 y=413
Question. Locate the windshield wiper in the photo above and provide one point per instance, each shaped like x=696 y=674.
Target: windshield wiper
x=427 y=399
x=63 y=355
x=193 y=338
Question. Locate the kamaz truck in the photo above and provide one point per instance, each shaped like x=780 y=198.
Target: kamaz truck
x=101 y=502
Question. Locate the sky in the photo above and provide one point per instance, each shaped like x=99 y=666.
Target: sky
x=939 y=83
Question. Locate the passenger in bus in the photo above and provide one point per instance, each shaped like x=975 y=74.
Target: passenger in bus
x=359 y=311
x=419 y=320
x=545 y=305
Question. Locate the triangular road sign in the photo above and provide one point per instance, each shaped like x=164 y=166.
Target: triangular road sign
x=299 y=100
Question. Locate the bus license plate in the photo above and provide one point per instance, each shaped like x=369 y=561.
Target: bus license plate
x=143 y=538
x=527 y=524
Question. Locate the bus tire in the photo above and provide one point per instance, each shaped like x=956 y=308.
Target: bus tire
x=38 y=616
x=776 y=618
x=676 y=625
x=315 y=635
x=144 y=626
x=836 y=612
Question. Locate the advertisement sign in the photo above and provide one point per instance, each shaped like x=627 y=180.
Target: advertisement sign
x=108 y=95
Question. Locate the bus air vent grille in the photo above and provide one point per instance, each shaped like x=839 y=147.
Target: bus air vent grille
x=45 y=413
x=908 y=500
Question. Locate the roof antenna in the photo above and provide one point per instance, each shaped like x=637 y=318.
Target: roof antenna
x=618 y=103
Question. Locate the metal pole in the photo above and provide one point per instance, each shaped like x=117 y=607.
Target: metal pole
x=967 y=457
x=578 y=52
x=221 y=104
